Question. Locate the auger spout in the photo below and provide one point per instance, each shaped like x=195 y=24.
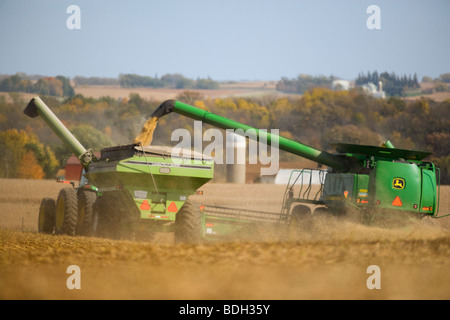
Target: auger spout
x=288 y=145
x=37 y=107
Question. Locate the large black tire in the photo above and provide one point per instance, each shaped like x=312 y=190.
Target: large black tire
x=300 y=214
x=106 y=217
x=66 y=212
x=324 y=214
x=188 y=224
x=301 y=219
x=326 y=219
x=47 y=214
x=86 y=200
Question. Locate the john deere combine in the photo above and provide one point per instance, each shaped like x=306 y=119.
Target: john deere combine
x=374 y=181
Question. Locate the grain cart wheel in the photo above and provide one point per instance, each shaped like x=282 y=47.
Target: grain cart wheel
x=66 y=212
x=301 y=218
x=86 y=200
x=106 y=217
x=188 y=224
x=47 y=213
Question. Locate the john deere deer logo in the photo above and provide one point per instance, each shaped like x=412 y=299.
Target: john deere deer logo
x=398 y=183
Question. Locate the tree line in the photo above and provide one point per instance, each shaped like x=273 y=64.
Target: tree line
x=393 y=85
x=95 y=81
x=317 y=118
x=58 y=86
x=177 y=81
x=303 y=83
x=61 y=86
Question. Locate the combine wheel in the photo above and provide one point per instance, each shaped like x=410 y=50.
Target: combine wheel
x=47 y=213
x=86 y=200
x=188 y=224
x=321 y=212
x=324 y=217
x=66 y=212
x=300 y=221
x=300 y=215
x=325 y=214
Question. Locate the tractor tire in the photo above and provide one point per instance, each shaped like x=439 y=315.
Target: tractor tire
x=188 y=224
x=66 y=212
x=47 y=216
x=324 y=214
x=301 y=219
x=325 y=219
x=299 y=214
x=106 y=218
x=86 y=200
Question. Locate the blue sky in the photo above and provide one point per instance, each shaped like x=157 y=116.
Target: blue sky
x=224 y=39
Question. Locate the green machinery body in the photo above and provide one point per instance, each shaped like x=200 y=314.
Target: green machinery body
x=370 y=179
x=152 y=184
x=135 y=182
x=149 y=178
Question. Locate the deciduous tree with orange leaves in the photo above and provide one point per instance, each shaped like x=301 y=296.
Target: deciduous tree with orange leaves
x=23 y=156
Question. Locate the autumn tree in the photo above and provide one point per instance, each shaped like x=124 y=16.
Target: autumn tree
x=189 y=97
x=28 y=168
x=88 y=136
x=303 y=82
x=23 y=156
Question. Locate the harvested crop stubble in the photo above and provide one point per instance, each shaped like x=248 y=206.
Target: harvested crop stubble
x=34 y=266
x=329 y=262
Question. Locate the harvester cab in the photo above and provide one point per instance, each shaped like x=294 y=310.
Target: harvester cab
x=381 y=183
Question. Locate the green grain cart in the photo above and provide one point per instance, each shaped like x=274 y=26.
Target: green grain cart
x=373 y=181
x=138 y=189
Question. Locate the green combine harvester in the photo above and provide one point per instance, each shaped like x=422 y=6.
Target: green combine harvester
x=376 y=182
x=140 y=189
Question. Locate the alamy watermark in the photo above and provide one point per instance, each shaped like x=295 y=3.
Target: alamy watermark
x=74 y=280
x=374 y=280
x=73 y=22
x=259 y=143
x=373 y=22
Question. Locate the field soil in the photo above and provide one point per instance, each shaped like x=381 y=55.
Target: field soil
x=241 y=89
x=225 y=90
x=329 y=262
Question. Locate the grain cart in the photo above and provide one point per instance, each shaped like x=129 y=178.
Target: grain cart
x=374 y=181
x=139 y=189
